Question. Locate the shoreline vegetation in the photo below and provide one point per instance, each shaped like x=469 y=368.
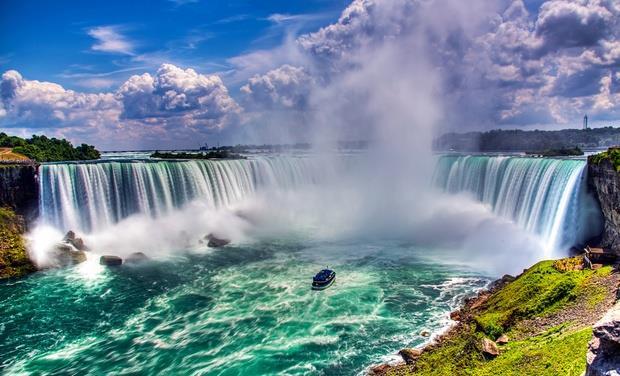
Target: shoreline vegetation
x=40 y=149
x=561 y=152
x=538 y=323
x=14 y=259
x=499 y=140
x=612 y=155
x=214 y=154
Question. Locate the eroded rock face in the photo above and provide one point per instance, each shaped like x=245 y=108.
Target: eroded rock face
x=604 y=180
x=603 y=356
x=19 y=190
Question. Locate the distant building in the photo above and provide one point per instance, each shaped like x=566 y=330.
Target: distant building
x=585 y=121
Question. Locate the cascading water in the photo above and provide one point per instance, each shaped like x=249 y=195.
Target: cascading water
x=544 y=196
x=92 y=196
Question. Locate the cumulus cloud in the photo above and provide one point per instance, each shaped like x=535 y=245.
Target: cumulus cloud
x=286 y=87
x=175 y=92
x=110 y=39
x=175 y=101
x=36 y=104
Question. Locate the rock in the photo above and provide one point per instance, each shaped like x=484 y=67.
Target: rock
x=78 y=243
x=410 y=355
x=604 y=181
x=455 y=315
x=381 y=369
x=110 y=260
x=502 y=340
x=215 y=242
x=135 y=258
x=70 y=236
x=65 y=255
x=425 y=333
x=489 y=348
x=603 y=357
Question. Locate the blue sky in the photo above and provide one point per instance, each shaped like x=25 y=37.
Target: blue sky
x=176 y=74
x=53 y=40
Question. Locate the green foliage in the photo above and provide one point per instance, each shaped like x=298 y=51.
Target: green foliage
x=43 y=149
x=561 y=152
x=558 y=351
x=612 y=154
x=538 y=292
x=519 y=140
x=14 y=261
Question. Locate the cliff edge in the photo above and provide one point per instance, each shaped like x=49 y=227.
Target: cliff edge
x=604 y=181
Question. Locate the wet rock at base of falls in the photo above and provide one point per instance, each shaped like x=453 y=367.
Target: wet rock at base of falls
x=215 y=242
x=136 y=257
x=109 y=260
x=603 y=357
x=410 y=355
x=489 y=348
x=78 y=243
x=65 y=255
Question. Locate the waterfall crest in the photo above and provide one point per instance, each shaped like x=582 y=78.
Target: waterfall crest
x=92 y=196
x=542 y=195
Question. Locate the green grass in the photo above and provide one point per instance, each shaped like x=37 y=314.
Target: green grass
x=14 y=261
x=559 y=351
x=612 y=154
x=540 y=291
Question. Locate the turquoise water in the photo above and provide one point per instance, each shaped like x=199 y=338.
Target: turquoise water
x=243 y=310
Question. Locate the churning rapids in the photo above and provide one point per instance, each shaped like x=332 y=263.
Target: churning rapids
x=247 y=308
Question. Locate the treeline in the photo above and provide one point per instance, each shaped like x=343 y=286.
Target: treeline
x=519 y=140
x=218 y=154
x=44 y=149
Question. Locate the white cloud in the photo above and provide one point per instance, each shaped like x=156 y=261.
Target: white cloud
x=286 y=87
x=175 y=102
x=177 y=93
x=110 y=39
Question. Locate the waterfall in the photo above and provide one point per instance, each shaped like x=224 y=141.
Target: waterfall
x=92 y=196
x=542 y=195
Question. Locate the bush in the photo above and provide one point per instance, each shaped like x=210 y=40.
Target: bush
x=43 y=149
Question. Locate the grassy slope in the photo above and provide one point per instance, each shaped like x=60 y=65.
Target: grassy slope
x=9 y=154
x=14 y=261
x=541 y=292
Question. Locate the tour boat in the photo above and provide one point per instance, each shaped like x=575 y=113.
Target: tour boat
x=323 y=279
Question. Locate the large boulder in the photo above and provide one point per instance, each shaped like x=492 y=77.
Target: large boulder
x=78 y=243
x=410 y=355
x=603 y=357
x=65 y=254
x=109 y=260
x=489 y=348
x=215 y=242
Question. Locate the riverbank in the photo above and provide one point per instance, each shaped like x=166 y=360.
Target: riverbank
x=14 y=260
x=537 y=324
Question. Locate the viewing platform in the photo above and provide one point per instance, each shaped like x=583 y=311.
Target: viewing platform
x=596 y=257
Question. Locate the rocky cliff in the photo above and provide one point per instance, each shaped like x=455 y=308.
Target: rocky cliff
x=19 y=189
x=604 y=181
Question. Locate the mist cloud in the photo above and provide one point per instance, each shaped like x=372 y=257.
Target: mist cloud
x=493 y=63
